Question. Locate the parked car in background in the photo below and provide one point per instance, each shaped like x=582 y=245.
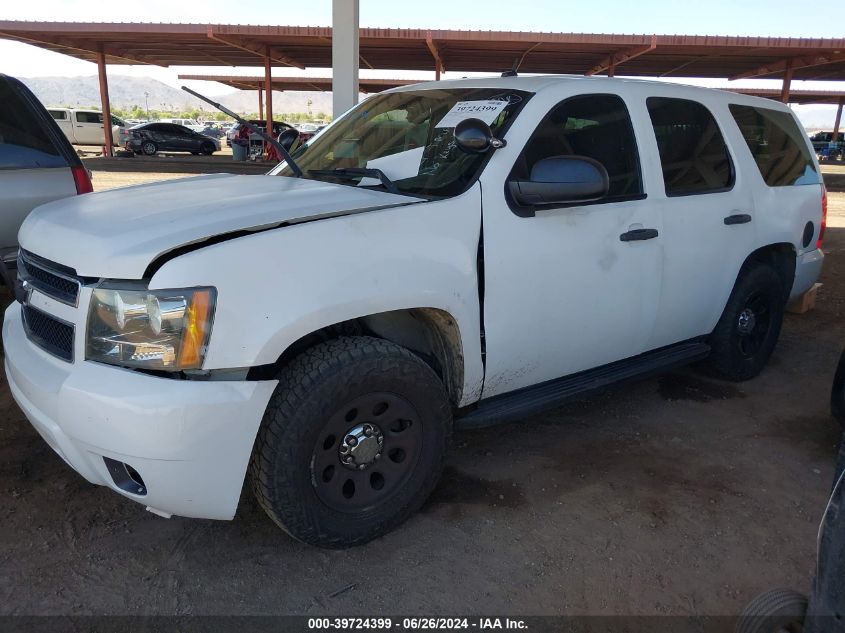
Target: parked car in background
x=37 y=163
x=307 y=128
x=278 y=128
x=85 y=127
x=325 y=327
x=821 y=140
x=185 y=122
x=207 y=129
x=151 y=138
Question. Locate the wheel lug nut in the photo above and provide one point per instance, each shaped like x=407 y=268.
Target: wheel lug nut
x=351 y=440
x=378 y=455
x=362 y=466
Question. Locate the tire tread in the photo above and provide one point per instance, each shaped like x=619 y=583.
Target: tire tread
x=275 y=488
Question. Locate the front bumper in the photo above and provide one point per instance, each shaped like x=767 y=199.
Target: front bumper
x=190 y=441
x=808 y=267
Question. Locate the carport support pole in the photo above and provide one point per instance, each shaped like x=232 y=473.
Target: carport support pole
x=838 y=119
x=344 y=55
x=104 y=100
x=268 y=83
x=787 y=80
x=260 y=102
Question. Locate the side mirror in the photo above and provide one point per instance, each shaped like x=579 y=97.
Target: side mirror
x=561 y=180
x=288 y=138
x=474 y=136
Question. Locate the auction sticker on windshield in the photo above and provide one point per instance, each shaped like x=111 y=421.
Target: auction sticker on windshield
x=486 y=110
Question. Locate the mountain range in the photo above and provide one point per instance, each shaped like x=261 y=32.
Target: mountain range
x=126 y=92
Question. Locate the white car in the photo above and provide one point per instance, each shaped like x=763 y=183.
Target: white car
x=85 y=127
x=186 y=122
x=454 y=254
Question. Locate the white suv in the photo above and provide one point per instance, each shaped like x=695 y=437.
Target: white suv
x=444 y=255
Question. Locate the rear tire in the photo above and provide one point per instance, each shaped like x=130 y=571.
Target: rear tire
x=748 y=330
x=775 y=611
x=352 y=443
x=837 y=392
x=149 y=148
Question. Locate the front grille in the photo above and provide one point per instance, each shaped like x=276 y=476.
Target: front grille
x=49 y=333
x=47 y=278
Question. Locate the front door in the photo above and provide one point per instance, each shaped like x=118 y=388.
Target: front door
x=569 y=288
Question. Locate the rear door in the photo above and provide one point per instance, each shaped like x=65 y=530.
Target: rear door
x=88 y=128
x=707 y=212
x=35 y=160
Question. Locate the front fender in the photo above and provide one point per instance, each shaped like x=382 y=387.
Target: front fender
x=277 y=286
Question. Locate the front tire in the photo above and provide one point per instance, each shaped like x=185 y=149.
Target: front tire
x=208 y=149
x=352 y=443
x=748 y=330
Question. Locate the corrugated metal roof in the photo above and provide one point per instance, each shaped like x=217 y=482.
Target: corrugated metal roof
x=319 y=84
x=460 y=50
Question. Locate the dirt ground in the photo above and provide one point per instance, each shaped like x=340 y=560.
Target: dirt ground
x=678 y=495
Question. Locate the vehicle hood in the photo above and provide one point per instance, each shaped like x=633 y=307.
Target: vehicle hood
x=118 y=233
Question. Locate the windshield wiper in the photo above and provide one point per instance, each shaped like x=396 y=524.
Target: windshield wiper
x=355 y=172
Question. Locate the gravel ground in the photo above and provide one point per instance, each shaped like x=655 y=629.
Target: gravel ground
x=677 y=495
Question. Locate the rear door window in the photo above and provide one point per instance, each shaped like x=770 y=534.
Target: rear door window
x=777 y=145
x=693 y=154
x=24 y=143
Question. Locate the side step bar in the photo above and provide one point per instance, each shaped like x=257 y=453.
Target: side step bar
x=536 y=398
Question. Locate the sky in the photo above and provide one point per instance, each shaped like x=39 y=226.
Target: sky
x=777 y=18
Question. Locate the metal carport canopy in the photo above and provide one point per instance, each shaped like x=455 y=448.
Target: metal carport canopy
x=318 y=84
x=452 y=50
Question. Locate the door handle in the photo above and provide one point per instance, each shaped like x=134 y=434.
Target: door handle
x=738 y=218
x=638 y=235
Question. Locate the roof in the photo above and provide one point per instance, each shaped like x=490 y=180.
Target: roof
x=457 y=50
x=318 y=84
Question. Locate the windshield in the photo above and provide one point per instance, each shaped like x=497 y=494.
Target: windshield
x=410 y=137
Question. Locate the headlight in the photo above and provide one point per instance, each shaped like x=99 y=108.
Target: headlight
x=151 y=329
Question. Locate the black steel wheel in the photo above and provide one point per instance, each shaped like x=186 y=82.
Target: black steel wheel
x=754 y=322
x=352 y=442
x=749 y=327
x=366 y=452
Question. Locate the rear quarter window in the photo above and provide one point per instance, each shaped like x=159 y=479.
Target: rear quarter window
x=24 y=143
x=777 y=145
